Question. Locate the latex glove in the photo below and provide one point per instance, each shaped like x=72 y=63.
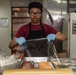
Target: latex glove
x=51 y=37
x=22 y=47
x=20 y=40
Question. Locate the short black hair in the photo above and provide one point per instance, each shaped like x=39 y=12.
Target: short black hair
x=35 y=5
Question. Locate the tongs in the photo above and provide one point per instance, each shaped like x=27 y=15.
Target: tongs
x=53 y=51
x=24 y=48
x=50 y=58
x=20 y=47
x=36 y=39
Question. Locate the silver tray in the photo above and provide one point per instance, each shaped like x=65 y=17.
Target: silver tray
x=65 y=62
x=36 y=59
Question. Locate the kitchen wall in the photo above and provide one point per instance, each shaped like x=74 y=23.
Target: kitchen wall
x=5 y=32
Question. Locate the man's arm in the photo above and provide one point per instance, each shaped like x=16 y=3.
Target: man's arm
x=17 y=41
x=61 y=36
x=13 y=43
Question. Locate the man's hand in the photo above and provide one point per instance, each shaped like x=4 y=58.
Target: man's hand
x=20 y=40
x=51 y=37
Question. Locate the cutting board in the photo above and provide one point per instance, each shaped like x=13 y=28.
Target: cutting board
x=38 y=72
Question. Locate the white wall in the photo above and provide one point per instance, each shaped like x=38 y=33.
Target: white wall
x=65 y=31
x=5 y=33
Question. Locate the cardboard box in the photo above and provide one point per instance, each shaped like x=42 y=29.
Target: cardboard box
x=63 y=54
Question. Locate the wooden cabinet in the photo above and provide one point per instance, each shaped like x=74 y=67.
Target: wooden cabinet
x=20 y=17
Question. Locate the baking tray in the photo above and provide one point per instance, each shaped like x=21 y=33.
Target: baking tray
x=65 y=62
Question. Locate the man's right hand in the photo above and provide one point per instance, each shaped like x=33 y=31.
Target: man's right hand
x=20 y=40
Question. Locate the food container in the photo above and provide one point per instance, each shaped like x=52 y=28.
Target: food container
x=65 y=62
x=8 y=62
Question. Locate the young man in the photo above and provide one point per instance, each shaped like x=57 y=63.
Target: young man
x=35 y=29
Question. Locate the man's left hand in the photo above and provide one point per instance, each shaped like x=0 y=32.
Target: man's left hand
x=51 y=37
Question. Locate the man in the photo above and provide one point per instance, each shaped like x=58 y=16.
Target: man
x=35 y=29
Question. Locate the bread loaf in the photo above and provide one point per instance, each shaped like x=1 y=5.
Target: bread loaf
x=45 y=65
x=48 y=65
x=27 y=65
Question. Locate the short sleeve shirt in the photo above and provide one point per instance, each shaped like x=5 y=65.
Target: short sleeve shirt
x=24 y=30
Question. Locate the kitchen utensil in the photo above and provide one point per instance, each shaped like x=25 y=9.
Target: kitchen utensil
x=51 y=51
x=36 y=39
x=29 y=55
x=37 y=47
x=27 y=52
x=55 y=53
x=20 y=62
x=22 y=48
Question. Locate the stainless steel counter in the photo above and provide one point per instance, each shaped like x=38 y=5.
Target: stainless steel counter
x=65 y=62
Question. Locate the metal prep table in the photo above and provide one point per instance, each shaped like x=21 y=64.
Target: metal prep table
x=66 y=62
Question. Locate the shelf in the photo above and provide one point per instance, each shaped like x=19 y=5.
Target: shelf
x=21 y=11
x=20 y=17
x=19 y=22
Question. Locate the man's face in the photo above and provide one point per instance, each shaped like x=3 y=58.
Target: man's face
x=35 y=15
